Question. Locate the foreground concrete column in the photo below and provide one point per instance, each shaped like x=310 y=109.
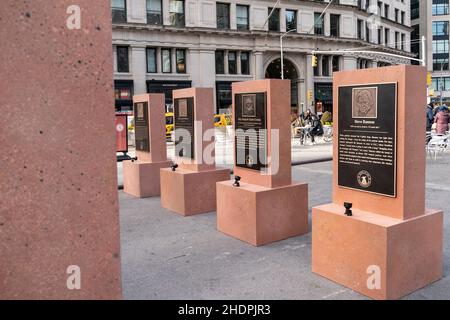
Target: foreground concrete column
x=59 y=221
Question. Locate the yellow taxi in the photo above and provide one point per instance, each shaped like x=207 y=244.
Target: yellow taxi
x=222 y=120
x=169 y=124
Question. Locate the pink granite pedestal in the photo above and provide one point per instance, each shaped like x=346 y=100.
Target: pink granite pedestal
x=394 y=239
x=260 y=215
x=267 y=206
x=188 y=192
x=191 y=189
x=141 y=178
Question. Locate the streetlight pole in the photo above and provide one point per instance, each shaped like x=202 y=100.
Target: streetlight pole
x=281 y=51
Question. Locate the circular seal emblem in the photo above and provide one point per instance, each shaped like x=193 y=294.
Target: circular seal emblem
x=119 y=127
x=249 y=161
x=364 y=179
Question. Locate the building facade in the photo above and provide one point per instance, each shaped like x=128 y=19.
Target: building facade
x=162 y=45
x=431 y=19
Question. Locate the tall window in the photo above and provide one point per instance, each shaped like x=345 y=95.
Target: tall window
x=274 y=20
x=397 y=15
x=242 y=17
x=440 y=28
x=441 y=83
x=380 y=35
x=181 y=60
x=223 y=15
x=122 y=59
x=291 y=20
x=245 y=63
x=119 y=11
x=232 y=63
x=220 y=62
x=359 y=26
x=367 y=33
x=151 y=60
x=397 y=36
x=415 y=12
x=334 y=25
x=402 y=17
x=166 y=61
x=386 y=37
x=440 y=46
x=380 y=7
x=325 y=66
x=439 y=8
x=176 y=13
x=336 y=65
x=440 y=64
x=154 y=12
x=386 y=11
x=402 y=46
x=318 y=24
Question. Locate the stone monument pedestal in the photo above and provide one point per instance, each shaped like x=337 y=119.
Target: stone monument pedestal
x=141 y=179
x=260 y=215
x=191 y=189
x=384 y=243
x=348 y=250
x=188 y=192
x=266 y=206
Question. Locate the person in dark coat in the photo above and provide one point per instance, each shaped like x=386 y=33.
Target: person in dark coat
x=430 y=116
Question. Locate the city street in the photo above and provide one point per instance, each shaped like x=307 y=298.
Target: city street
x=167 y=256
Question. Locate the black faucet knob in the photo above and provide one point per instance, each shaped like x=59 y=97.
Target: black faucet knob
x=348 y=208
x=174 y=167
x=236 y=181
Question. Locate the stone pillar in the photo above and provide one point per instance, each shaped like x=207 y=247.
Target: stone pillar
x=165 y=9
x=326 y=23
x=233 y=20
x=349 y=63
x=258 y=65
x=59 y=218
x=139 y=69
x=282 y=20
x=158 y=60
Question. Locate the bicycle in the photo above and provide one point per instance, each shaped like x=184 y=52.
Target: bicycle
x=327 y=134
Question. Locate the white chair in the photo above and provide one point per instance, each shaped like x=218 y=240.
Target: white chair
x=437 y=144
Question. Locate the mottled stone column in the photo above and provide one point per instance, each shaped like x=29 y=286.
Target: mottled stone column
x=59 y=221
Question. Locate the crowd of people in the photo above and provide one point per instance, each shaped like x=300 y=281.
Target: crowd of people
x=311 y=123
x=438 y=118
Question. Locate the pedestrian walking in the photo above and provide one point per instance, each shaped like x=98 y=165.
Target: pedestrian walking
x=442 y=120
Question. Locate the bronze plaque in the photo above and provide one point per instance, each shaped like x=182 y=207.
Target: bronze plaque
x=142 y=132
x=184 y=127
x=367 y=138
x=250 y=123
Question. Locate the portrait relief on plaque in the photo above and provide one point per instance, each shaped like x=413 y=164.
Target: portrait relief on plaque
x=364 y=102
x=249 y=105
x=140 y=110
x=182 y=108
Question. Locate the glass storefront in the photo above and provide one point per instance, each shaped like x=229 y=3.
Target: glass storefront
x=123 y=94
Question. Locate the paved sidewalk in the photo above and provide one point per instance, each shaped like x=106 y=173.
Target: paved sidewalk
x=166 y=256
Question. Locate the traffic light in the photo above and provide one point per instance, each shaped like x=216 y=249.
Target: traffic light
x=429 y=79
x=314 y=61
